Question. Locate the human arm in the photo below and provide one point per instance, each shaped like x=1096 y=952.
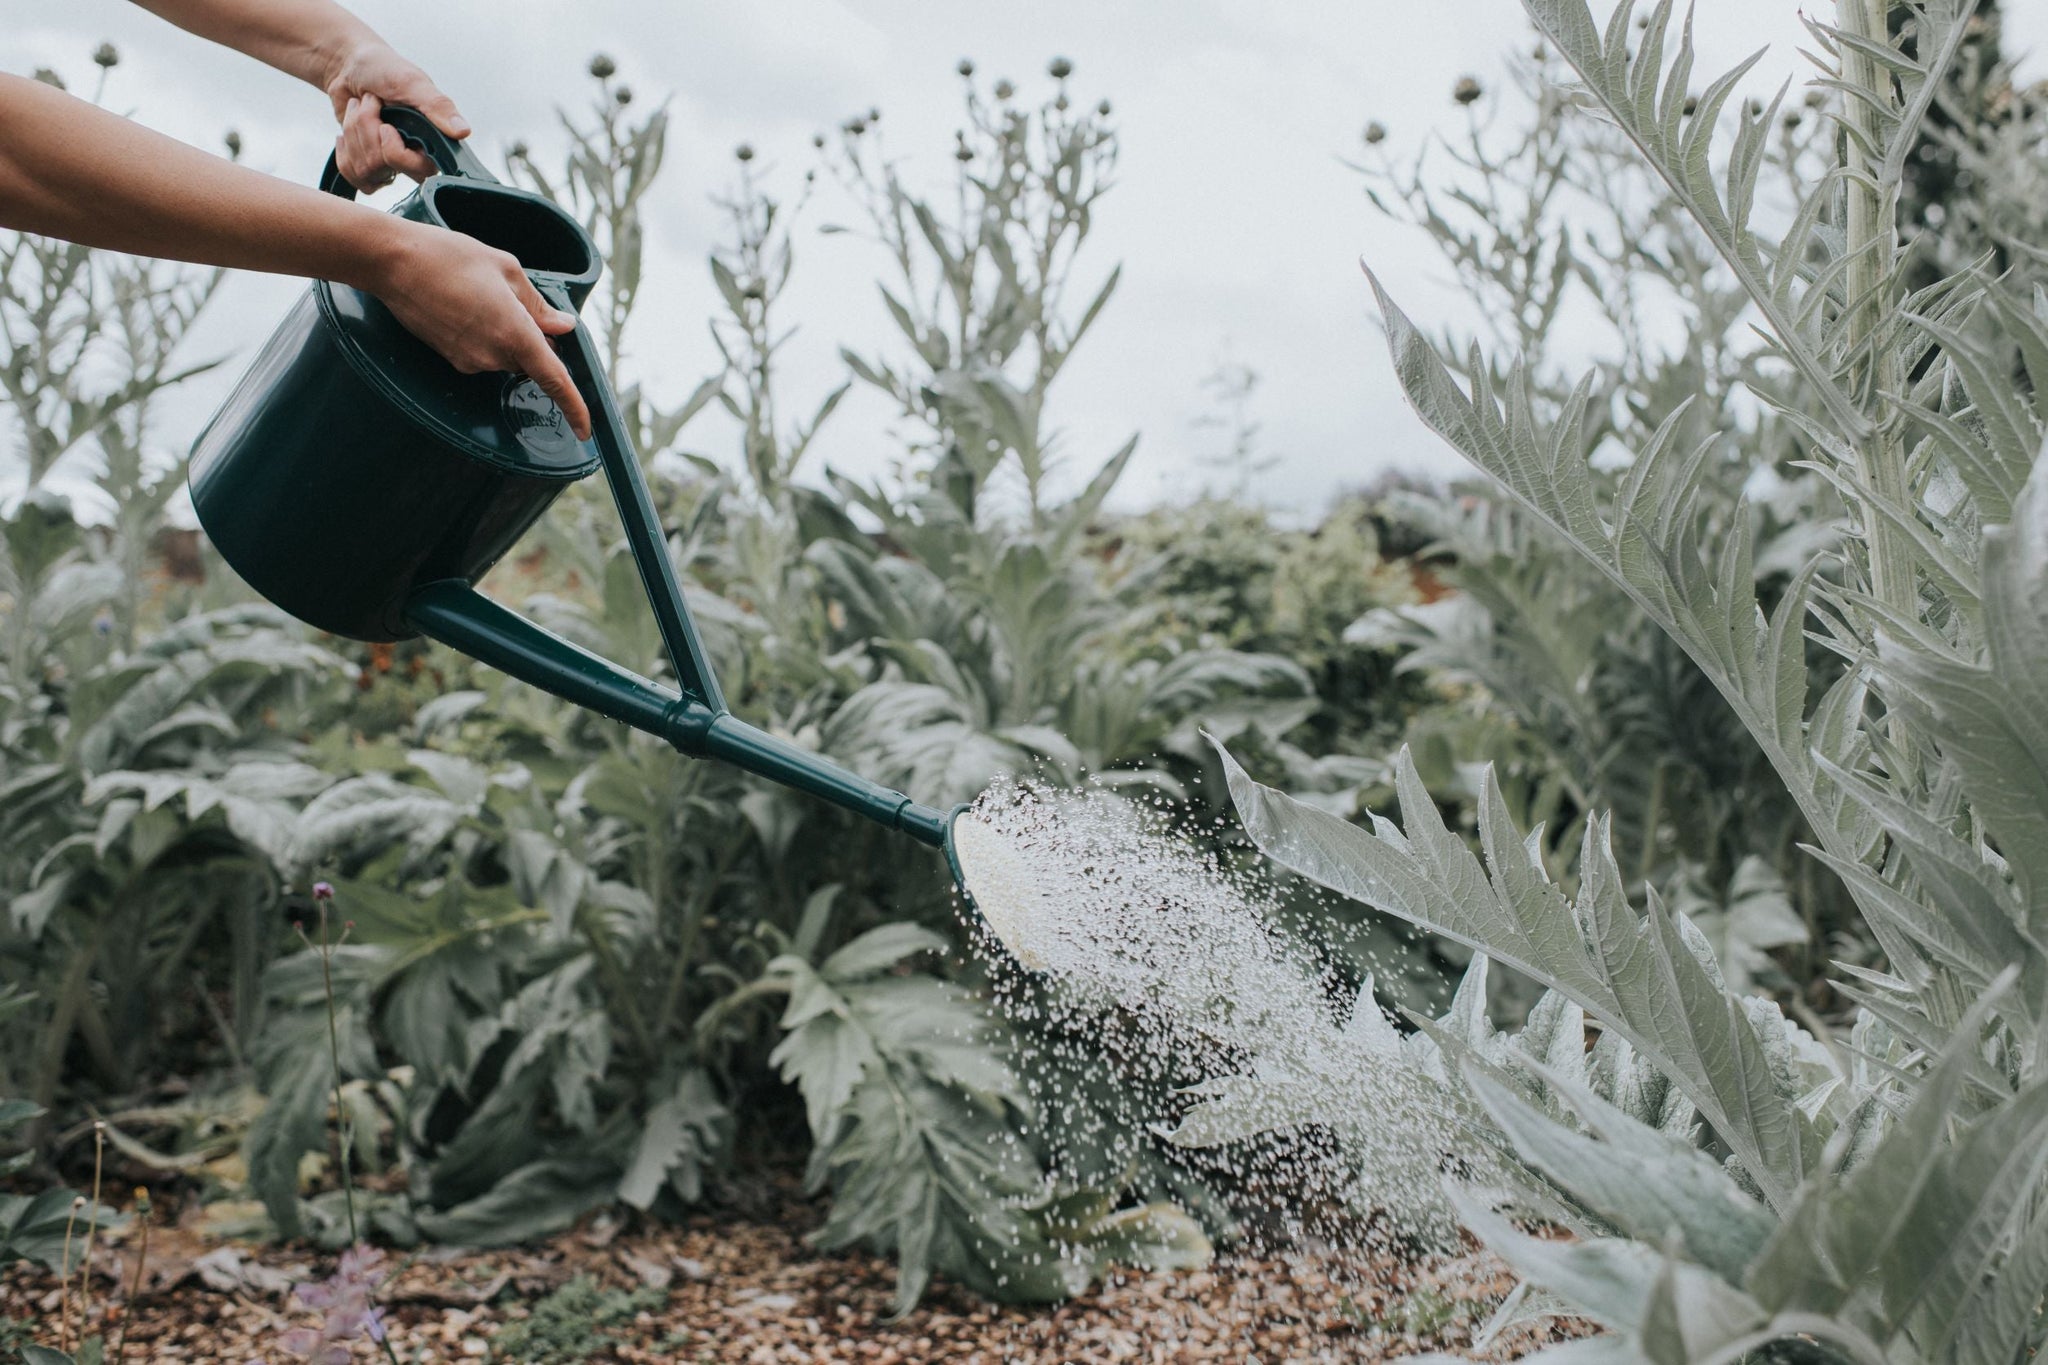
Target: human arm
x=71 y=170
x=332 y=50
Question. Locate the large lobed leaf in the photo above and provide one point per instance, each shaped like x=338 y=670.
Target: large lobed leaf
x=1637 y=974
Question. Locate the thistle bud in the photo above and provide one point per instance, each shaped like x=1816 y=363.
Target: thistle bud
x=1692 y=105
x=624 y=95
x=1466 y=90
x=234 y=143
x=744 y=152
x=518 y=151
x=1060 y=68
x=1375 y=133
x=1103 y=109
x=49 y=77
x=603 y=67
x=1004 y=90
x=818 y=141
x=106 y=55
x=966 y=67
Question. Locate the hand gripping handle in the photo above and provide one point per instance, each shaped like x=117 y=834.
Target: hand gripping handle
x=449 y=156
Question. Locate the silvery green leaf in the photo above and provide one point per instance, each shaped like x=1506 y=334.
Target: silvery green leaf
x=1625 y=1285
x=1883 y=1225
x=1631 y=972
x=878 y=949
x=679 y=1134
x=1644 y=1183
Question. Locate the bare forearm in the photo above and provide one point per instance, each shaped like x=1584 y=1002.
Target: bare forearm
x=309 y=39
x=74 y=171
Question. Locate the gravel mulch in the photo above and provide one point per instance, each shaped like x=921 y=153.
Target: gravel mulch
x=737 y=1290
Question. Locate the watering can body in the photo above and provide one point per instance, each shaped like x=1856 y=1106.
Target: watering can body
x=388 y=467
x=358 y=480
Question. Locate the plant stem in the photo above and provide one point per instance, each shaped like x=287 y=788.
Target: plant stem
x=348 y=1192
x=64 y=1288
x=135 y=1284
x=92 y=1223
x=1872 y=247
x=621 y=988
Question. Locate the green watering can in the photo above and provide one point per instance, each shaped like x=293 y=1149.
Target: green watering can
x=363 y=484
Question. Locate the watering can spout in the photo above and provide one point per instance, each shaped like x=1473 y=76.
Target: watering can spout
x=458 y=615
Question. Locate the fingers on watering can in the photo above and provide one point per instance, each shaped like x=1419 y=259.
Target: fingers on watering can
x=383 y=152
x=358 y=150
x=439 y=108
x=398 y=155
x=544 y=367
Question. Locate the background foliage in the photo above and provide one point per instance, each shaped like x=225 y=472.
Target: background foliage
x=568 y=968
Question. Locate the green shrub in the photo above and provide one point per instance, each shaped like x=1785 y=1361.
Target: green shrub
x=1735 y=1181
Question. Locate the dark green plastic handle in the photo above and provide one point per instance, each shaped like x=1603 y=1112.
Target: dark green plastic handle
x=449 y=156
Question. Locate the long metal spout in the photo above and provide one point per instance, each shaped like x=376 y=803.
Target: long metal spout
x=463 y=618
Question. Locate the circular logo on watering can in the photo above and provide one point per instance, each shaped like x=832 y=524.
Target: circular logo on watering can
x=537 y=422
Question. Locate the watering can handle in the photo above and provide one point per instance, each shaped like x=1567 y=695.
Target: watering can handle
x=449 y=156
x=636 y=508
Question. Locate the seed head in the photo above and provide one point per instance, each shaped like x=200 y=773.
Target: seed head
x=49 y=77
x=966 y=67
x=106 y=55
x=818 y=140
x=1815 y=99
x=603 y=67
x=1466 y=90
x=1060 y=68
x=1103 y=109
x=518 y=151
x=1060 y=104
x=856 y=126
x=874 y=115
x=234 y=143
x=1375 y=133
x=744 y=152
x=1692 y=105
x=323 y=891
x=624 y=95
x=1004 y=90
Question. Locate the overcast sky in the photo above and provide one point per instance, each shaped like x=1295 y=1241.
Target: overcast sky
x=1238 y=228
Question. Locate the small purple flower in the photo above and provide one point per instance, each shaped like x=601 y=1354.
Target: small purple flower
x=323 y=891
x=343 y=1300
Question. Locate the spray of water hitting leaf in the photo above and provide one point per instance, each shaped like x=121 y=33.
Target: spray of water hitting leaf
x=1131 y=921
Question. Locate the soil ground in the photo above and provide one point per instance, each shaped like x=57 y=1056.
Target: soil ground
x=752 y=1290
